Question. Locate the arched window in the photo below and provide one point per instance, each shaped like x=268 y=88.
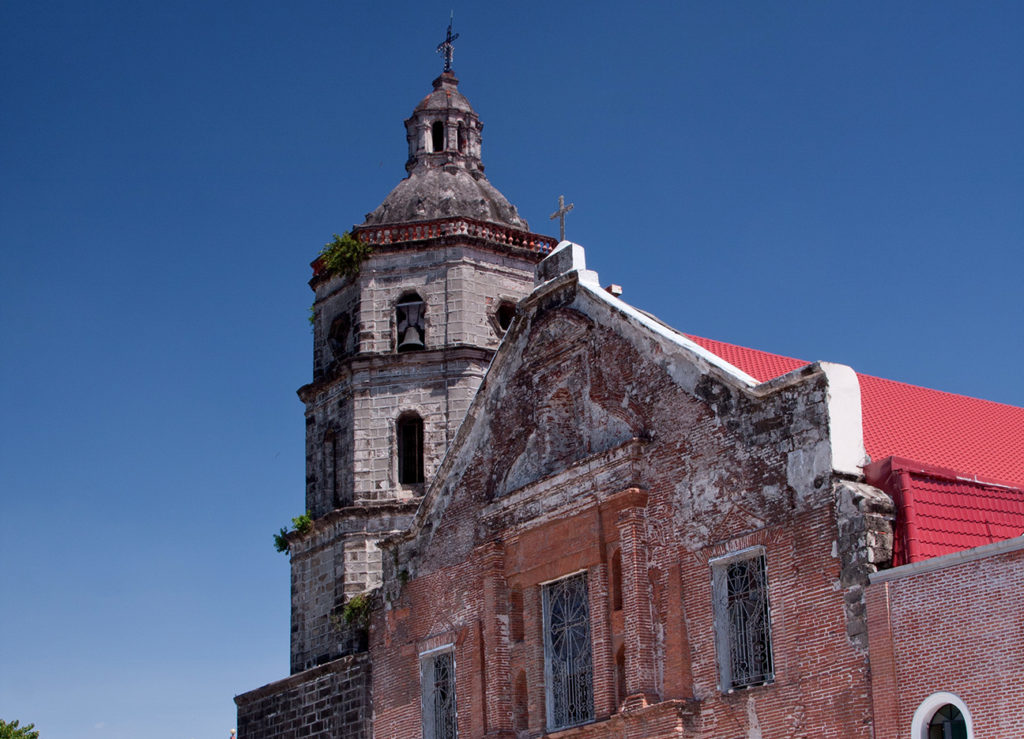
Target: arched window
x=437 y=135
x=942 y=716
x=462 y=138
x=409 y=430
x=947 y=723
x=410 y=322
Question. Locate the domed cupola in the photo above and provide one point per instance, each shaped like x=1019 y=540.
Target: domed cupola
x=444 y=129
x=446 y=175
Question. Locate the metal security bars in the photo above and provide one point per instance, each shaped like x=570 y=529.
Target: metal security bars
x=437 y=686
x=742 y=623
x=568 y=664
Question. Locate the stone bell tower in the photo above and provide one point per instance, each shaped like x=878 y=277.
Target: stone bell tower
x=399 y=350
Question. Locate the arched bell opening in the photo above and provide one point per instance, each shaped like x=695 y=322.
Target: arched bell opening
x=410 y=321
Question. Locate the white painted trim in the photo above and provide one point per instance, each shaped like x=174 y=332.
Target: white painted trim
x=443 y=648
x=845 y=418
x=948 y=560
x=594 y=288
x=927 y=709
x=745 y=553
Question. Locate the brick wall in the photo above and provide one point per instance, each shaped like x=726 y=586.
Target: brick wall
x=328 y=702
x=952 y=624
x=593 y=445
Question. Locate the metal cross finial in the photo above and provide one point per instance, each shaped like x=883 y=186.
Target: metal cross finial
x=447 y=47
x=560 y=215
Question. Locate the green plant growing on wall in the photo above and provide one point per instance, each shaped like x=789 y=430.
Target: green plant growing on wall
x=300 y=524
x=344 y=255
x=356 y=611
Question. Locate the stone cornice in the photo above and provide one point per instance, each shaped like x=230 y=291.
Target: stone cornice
x=379 y=363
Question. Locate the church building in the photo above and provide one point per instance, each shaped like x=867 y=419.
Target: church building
x=539 y=511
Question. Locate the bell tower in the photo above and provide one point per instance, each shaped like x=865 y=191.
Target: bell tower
x=400 y=346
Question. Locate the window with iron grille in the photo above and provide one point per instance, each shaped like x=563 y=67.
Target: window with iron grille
x=437 y=689
x=742 y=623
x=568 y=664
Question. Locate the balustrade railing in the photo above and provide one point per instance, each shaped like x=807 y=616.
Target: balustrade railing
x=384 y=235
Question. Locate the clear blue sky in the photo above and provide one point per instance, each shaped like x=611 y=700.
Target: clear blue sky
x=836 y=181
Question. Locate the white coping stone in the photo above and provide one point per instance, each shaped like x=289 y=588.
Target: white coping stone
x=566 y=257
x=948 y=560
x=845 y=419
x=593 y=286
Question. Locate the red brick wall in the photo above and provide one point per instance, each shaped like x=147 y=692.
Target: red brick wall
x=959 y=630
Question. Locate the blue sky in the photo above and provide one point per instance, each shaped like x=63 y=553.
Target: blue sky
x=835 y=181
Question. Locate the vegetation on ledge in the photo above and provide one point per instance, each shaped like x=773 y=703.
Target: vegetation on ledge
x=300 y=524
x=344 y=255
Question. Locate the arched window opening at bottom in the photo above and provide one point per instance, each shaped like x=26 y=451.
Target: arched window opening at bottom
x=947 y=723
x=942 y=715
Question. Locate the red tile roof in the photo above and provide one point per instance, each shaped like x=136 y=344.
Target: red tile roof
x=974 y=441
x=950 y=515
x=762 y=366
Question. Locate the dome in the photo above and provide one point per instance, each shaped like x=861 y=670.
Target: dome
x=431 y=194
x=445 y=95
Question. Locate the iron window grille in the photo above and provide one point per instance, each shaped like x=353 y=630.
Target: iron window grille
x=437 y=693
x=568 y=662
x=742 y=620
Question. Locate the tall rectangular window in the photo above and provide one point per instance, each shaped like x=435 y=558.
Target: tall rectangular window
x=409 y=429
x=742 y=624
x=568 y=665
x=437 y=692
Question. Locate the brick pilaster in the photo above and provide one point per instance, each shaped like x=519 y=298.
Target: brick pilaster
x=601 y=641
x=641 y=688
x=495 y=618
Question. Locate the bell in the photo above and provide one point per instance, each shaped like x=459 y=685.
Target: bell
x=411 y=339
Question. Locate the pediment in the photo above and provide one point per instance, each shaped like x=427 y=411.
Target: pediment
x=574 y=379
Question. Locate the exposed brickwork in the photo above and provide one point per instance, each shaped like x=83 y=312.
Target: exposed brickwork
x=328 y=702
x=956 y=630
x=622 y=448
